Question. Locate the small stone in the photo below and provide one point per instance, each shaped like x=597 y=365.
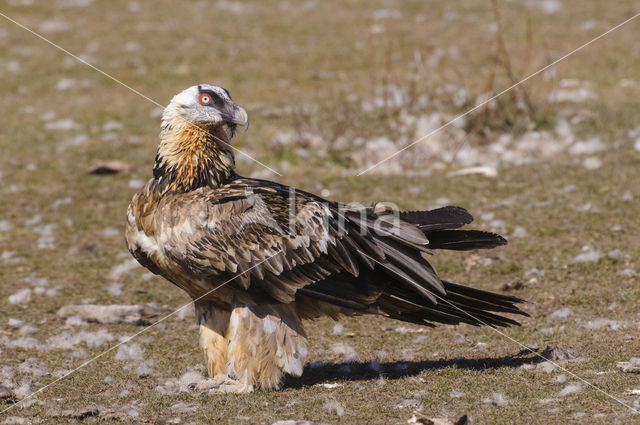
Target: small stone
x=78 y=414
x=632 y=366
x=514 y=285
x=557 y=354
x=16 y=420
x=419 y=419
x=6 y=395
x=140 y=314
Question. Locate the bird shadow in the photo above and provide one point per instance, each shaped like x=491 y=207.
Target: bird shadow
x=322 y=372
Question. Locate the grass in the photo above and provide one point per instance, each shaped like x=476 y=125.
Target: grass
x=308 y=68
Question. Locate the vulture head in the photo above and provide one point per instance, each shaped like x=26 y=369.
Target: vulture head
x=197 y=127
x=207 y=106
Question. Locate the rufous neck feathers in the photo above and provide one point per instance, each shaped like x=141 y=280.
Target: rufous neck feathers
x=191 y=156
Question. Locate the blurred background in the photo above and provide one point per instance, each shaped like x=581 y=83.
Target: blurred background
x=331 y=88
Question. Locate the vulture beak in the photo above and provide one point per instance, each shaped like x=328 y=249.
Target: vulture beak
x=238 y=116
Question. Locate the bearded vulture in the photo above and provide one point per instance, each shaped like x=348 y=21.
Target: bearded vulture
x=257 y=257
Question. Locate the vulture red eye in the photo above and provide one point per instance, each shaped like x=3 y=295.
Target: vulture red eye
x=205 y=99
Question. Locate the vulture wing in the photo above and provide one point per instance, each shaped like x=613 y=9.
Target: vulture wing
x=275 y=242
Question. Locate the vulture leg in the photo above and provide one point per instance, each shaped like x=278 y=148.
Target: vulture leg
x=265 y=342
x=213 y=323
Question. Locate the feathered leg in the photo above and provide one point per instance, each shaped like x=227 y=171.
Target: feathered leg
x=213 y=323
x=265 y=342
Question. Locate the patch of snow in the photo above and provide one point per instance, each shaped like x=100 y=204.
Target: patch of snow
x=588 y=147
x=408 y=329
x=376 y=150
x=5 y=226
x=546 y=367
x=561 y=313
x=633 y=365
x=338 y=329
x=519 y=232
x=333 y=406
x=145 y=368
x=62 y=125
x=482 y=170
x=628 y=273
x=75 y=321
x=22 y=297
x=73 y=3
x=136 y=183
x=497 y=399
x=15 y=323
x=65 y=84
x=47 y=238
x=588 y=255
x=27 y=343
x=547 y=6
x=616 y=254
x=131 y=352
x=233 y=7
x=386 y=14
x=32 y=368
x=561 y=379
x=115 y=288
x=112 y=126
x=601 y=323
x=119 y=271
x=26 y=330
x=346 y=351
x=573 y=388
x=67 y=340
x=592 y=163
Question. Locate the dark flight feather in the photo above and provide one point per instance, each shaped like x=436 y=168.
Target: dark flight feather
x=464 y=240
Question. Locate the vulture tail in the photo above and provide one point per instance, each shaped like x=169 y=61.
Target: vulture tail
x=457 y=303
x=437 y=224
x=441 y=218
x=464 y=240
x=461 y=304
